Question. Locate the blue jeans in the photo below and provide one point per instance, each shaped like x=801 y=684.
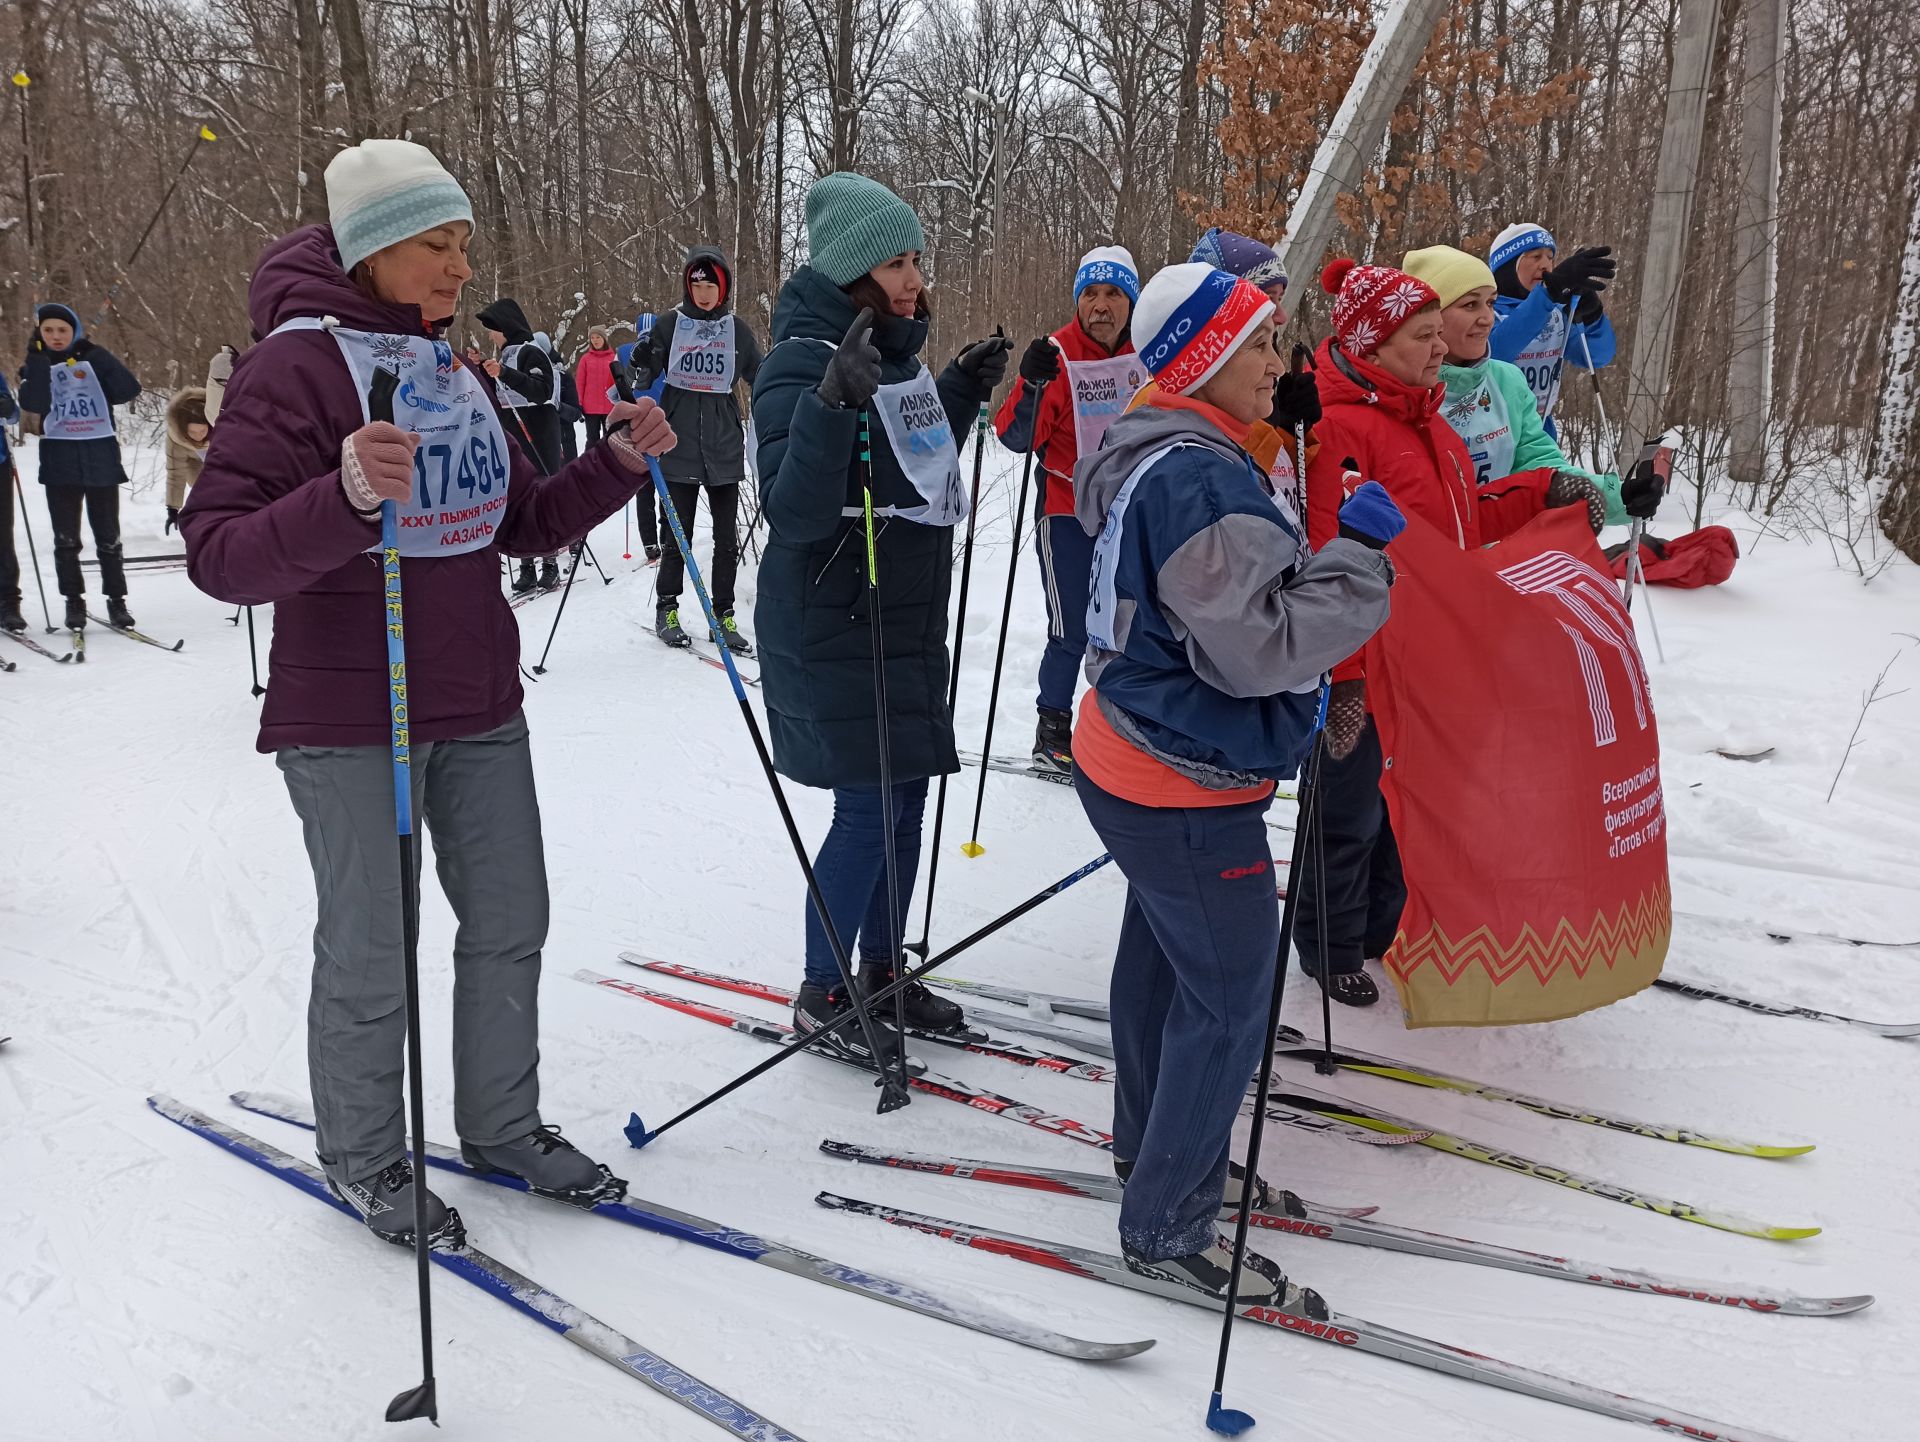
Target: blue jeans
x=852 y=871
x=1066 y=566
x=1192 y=984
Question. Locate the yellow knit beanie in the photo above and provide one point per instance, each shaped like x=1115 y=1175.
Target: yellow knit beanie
x=1452 y=273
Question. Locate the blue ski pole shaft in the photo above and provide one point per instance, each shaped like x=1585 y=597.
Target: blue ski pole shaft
x=421 y=1401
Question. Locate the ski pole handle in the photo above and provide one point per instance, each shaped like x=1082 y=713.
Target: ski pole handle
x=380 y=408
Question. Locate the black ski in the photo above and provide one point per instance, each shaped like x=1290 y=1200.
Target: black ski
x=32 y=645
x=1767 y=1008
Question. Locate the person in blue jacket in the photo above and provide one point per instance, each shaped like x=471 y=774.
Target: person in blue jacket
x=848 y=330
x=10 y=617
x=1549 y=314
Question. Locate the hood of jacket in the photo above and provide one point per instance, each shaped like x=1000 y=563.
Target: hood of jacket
x=59 y=312
x=717 y=258
x=505 y=316
x=1097 y=478
x=811 y=307
x=300 y=275
x=1342 y=379
x=194 y=399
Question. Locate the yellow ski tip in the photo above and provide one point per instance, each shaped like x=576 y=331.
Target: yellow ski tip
x=1790 y=1234
x=22 y=79
x=206 y=134
x=972 y=848
x=1799 y=1151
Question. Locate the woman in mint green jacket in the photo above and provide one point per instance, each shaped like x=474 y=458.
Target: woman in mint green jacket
x=1489 y=404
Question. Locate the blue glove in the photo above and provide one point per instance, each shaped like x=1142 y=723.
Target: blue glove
x=1370 y=517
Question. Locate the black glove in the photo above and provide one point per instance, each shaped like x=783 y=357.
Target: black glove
x=1585 y=272
x=650 y=356
x=853 y=375
x=1589 y=310
x=985 y=362
x=1567 y=489
x=1296 y=403
x=1346 y=717
x=1641 y=493
x=173 y=519
x=1040 y=362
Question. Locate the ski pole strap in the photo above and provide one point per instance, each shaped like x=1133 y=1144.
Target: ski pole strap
x=380 y=408
x=866 y=486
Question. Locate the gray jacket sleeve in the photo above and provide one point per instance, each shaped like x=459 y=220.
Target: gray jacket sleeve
x=1250 y=634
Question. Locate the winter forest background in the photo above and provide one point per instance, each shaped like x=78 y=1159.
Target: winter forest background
x=598 y=141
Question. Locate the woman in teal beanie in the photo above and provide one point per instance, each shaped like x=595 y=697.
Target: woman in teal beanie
x=847 y=334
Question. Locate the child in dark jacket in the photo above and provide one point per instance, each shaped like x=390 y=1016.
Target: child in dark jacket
x=73 y=386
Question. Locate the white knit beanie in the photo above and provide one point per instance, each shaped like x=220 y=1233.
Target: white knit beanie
x=380 y=192
x=1516 y=240
x=1190 y=319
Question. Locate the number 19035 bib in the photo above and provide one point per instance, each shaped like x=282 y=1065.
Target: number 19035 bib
x=461 y=468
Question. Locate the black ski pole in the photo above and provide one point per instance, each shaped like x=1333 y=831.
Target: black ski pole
x=973 y=846
x=893 y=1091
x=200 y=138
x=573 y=567
x=606 y=576
x=418 y=1401
x=884 y=753
x=640 y=1135
x=33 y=552
x=1325 y=1065
x=234 y=619
x=253 y=656
x=953 y=680
x=1227 y=1420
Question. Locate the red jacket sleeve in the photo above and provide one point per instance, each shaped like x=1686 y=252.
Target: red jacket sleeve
x=1327 y=453
x=1504 y=506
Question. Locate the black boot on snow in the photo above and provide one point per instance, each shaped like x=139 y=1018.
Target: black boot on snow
x=384 y=1201
x=653 y=555
x=817 y=1006
x=1353 y=988
x=76 y=613
x=1053 y=741
x=551 y=1166
x=550 y=574
x=10 y=617
x=666 y=625
x=923 y=1010
x=524 y=580
x=118 y=616
x=731 y=636
x=1260 y=1281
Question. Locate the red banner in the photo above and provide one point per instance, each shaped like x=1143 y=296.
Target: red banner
x=1522 y=776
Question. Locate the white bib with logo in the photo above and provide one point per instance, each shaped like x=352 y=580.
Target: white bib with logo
x=922 y=439
x=460 y=470
x=703 y=355
x=1283 y=481
x=511 y=398
x=1480 y=419
x=1099 y=392
x=1541 y=360
x=79 y=410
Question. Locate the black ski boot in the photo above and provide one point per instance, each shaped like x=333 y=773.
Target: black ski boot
x=524 y=581
x=817 y=1006
x=923 y=1010
x=384 y=1201
x=550 y=574
x=1260 y=1282
x=10 y=617
x=1266 y=1197
x=1353 y=988
x=666 y=625
x=731 y=636
x=551 y=1166
x=76 y=613
x=118 y=616
x=1053 y=742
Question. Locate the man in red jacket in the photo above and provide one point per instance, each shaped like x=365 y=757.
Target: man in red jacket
x=1059 y=419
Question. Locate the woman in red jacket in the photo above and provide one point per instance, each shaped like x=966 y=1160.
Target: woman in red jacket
x=1378 y=376
x=593 y=378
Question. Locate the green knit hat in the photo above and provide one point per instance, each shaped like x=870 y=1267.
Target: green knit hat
x=855 y=224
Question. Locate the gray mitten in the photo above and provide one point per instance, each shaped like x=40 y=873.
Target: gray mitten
x=853 y=375
x=1567 y=489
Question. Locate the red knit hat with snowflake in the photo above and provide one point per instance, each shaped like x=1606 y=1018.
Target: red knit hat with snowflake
x=1371 y=302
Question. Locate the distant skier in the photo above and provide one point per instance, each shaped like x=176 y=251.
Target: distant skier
x=1549 y=314
x=593 y=379
x=188 y=435
x=527 y=383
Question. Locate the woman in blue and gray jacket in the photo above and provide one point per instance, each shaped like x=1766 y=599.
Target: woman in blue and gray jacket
x=847 y=335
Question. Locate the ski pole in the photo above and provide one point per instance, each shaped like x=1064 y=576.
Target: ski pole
x=640 y=1135
x=883 y=726
x=972 y=847
x=253 y=656
x=893 y=1089
x=32 y=551
x=573 y=567
x=1226 y=1420
x=106 y=304
x=953 y=680
x=626 y=520
x=1316 y=822
x=418 y=1401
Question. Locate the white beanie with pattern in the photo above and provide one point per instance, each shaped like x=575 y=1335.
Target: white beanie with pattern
x=381 y=192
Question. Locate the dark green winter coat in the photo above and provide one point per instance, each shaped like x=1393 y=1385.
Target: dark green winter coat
x=810 y=616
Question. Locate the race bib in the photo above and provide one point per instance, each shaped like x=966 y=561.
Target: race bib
x=1480 y=419
x=1288 y=493
x=1540 y=362
x=702 y=356
x=79 y=409
x=461 y=469
x=922 y=439
x=1099 y=392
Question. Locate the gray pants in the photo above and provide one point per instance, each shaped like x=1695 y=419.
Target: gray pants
x=476 y=798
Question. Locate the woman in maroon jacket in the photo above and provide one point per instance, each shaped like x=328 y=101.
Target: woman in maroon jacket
x=287 y=511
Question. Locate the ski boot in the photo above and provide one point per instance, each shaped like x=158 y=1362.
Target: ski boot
x=922 y=1009
x=550 y=574
x=1353 y=988
x=817 y=1006
x=118 y=616
x=666 y=625
x=524 y=581
x=551 y=1166
x=10 y=617
x=76 y=613
x=1053 y=742
x=384 y=1201
x=731 y=636
x=1260 y=1282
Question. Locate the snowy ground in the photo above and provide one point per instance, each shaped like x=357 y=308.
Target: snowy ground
x=153 y=936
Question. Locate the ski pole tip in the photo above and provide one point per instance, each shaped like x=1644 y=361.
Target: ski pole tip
x=418 y=1401
x=637 y=1133
x=1227 y=1421
x=972 y=848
